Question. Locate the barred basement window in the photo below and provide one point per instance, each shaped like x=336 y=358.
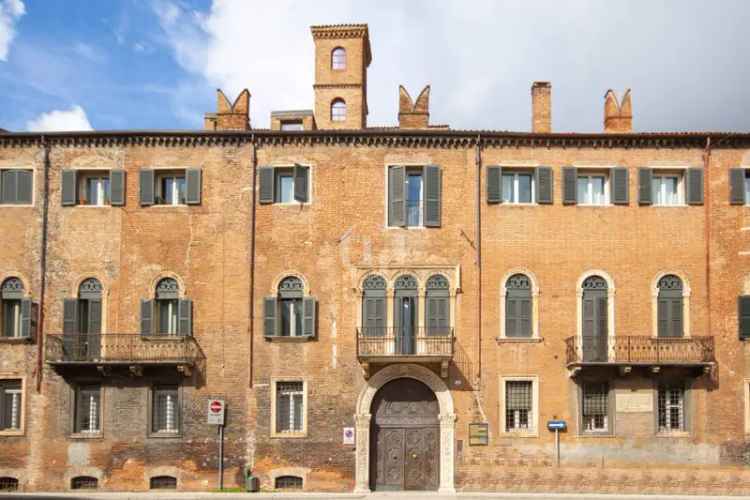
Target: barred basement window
x=518 y=405
x=288 y=483
x=671 y=409
x=595 y=411
x=289 y=406
x=84 y=483
x=163 y=483
x=8 y=484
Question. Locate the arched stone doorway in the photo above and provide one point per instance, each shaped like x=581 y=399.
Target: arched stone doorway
x=367 y=449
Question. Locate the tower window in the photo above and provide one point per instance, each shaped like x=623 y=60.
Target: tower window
x=338 y=58
x=338 y=110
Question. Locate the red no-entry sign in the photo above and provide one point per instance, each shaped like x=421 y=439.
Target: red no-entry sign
x=216 y=411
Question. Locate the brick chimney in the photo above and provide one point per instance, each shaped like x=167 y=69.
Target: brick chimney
x=229 y=116
x=541 y=107
x=618 y=116
x=410 y=114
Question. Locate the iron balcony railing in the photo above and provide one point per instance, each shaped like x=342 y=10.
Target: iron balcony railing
x=373 y=342
x=119 y=348
x=640 y=350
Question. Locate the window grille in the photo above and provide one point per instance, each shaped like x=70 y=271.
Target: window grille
x=671 y=409
x=595 y=407
x=87 y=409
x=518 y=405
x=84 y=483
x=289 y=406
x=163 y=483
x=165 y=410
x=288 y=483
x=8 y=484
x=10 y=404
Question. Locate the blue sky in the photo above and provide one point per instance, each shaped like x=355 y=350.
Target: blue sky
x=137 y=64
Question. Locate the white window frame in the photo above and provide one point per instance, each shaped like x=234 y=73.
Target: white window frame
x=20 y=430
x=746 y=178
x=338 y=63
x=515 y=173
x=276 y=433
x=589 y=175
x=339 y=117
x=533 y=430
x=160 y=175
x=88 y=432
x=678 y=174
x=16 y=318
x=290 y=168
x=413 y=171
x=535 y=332
x=168 y=433
x=684 y=405
x=173 y=316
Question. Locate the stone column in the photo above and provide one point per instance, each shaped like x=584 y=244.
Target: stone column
x=362 y=456
x=447 y=427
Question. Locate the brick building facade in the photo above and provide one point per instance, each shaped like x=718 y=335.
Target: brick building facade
x=443 y=293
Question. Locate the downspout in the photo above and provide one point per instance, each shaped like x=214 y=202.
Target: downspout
x=478 y=164
x=251 y=319
x=707 y=233
x=43 y=269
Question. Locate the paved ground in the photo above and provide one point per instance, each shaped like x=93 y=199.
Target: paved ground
x=374 y=496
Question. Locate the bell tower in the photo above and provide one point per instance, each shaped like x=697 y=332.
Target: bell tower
x=342 y=55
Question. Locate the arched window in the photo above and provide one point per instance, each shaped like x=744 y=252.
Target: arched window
x=670 y=307
x=16 y=310
x=406 y=306
x=373 y=306
x=288 y=483
x=437 y=306
x=290 y=313
x=167 y=314
x=82 y=321
x=338 y=58
x=594 y=307
x=518 y=306
x=84 y=483
x=338 y=110
x=163 y=483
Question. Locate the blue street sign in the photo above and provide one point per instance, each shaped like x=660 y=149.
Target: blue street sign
x=557 y=425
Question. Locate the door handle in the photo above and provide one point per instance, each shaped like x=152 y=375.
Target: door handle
x=413 y=455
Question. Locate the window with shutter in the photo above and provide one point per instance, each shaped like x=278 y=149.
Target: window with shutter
x=16 y=187
x=432 y=195
x=290 y=411
x=373 y=306
x=743 y=316
x=594 y=320
x=517 y=186
x=620 y=186
x=266 y=182
x=494 y=185
x=592 y=188
x=172 y=316
x=695 y=186
x=117 y=187
x=670 y=307
x=437 y=307
x=544 y=182
x=15 y=309
x=193 y=179
x=396 y=196
x=739 y=186
x=518 y=306
x=147 y=195
x=570 y=180
x=645 y=190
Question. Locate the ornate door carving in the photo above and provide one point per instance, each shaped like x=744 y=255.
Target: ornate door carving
x=405 y=437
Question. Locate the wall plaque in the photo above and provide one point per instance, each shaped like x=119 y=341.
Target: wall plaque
x=640 y=401
x=479 y=434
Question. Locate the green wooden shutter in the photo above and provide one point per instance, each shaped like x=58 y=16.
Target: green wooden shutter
x=147 y=186
x=737 y=186
x=185 y=318
x=743 y=314
x=193 y=178
x=570 y=185
x=68 y=187
x=308 y=316
x=95 y=316
x=10 y=186
x=645 y=191
x=695 y=186
x=148 y=323
x=266 y=180
x=544 y=183
x=117 y=187
x=26 y=311
x=663 y=313
x=396 y=196
x=620 y=186
x=25 y=184
x=676 y=313
x=524 y=318
x=283 y=403
x=300 y=183
x=432 y=195
x=588 y=316
x=2 y=192
x=602 y=313
x=70 y=316
x=511 y=317
x=494 y=185
x=269 y=316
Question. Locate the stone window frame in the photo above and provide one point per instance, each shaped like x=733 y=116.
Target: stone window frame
x=671 y=170
x=150 y=433
x=83 y=173
x=688 y=402
x=27 y=294
x=611 y=332
x=611 y=406
x=601 y=170
x=302 y=472
x=33 y=170
x=535 y=404
x=21 y=431
x=274 y=433
x=535 y=315
x=72 y=395
x=686 y=293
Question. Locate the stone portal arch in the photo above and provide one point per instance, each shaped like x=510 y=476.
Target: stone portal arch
x=362 y=419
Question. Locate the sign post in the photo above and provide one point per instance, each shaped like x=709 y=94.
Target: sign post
x=557 y=426
x=216 y=416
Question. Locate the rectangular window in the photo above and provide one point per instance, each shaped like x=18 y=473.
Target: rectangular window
x=414 y=197
x=96 y=189
x=290 y=411
x=595 y=407
x=671 y=409
x=666 y=189
x=11 y=312
x=16 y=187
x=165 y=411
x=284 y=185
x=518 y=405
x=170 y=188
x=592 y=189
x=518 y=187
x=87 y=410
x=167 y=311
x=285 y=188
x=292 y=125
x=10 y=405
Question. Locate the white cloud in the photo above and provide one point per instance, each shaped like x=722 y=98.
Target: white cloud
x=89 y=52
x=60 y=120
x=10 y=12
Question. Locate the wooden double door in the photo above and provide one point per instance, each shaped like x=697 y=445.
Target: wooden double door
x=405 y=437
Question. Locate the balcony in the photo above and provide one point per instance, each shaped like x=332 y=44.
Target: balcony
x=111 y=350
x=629 y=351
x=392 y=345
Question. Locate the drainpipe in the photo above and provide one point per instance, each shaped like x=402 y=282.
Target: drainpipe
x=478 y=164
x=707 y=234
x=42 y=269
x=251 y=315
